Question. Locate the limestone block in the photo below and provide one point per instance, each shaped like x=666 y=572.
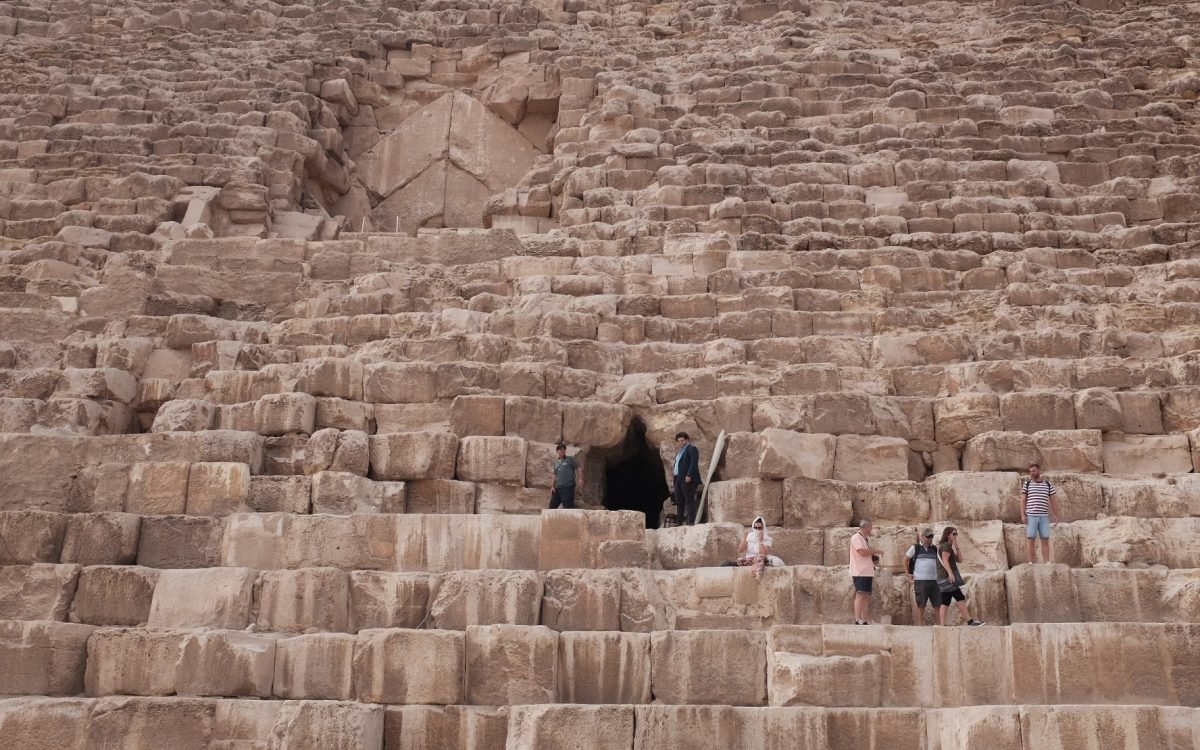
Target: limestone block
x=132 y=661
x=1034 y=411
x=283 y=413
x=604 y=667
x=574 y=538
x=793 y=454
x=507 y=499
x=1042 y=593
x=400 y=383
x=343 y=414
x=327 y=724
x=465 y=727
x=815 y=503
x=508 y=665
x=1181 y=409
x=280 y=494
x=701 y=667
x=1000 y=451
x=342 y=493
x=596 y=425
x=105 y=383
x=439 y=496
x=981 y=545
x=1097 y=409
x=1147 y=454
x=1141 y=413
x=477 y=415
x=409 y=666
x=413 y=455
x=38 y=724
x=492 y=459
x=28 y=537
x=206 y=598
x=37 y=592
x=966 y=415
x=741 y=500
x=157 y=488
x=564 y=727
x=486 y=597
x=975 y=496
x=331 y=376
x=1070 y=450
x=42 y=658
x=868 y=458
x=388 y=600
x=888 y=502
x=337 y=450
x=225 y=663
x=255 y=540
x=835 y=680
x=365 y=541
x=184 y=415
x=743 y=451
x=315 y=667
x=536 y=419
x=114 y=595
x=303 y=601
x=574 y=600
x=101 y=539
x=803 y=546
x=218 y=488
x=697 y=546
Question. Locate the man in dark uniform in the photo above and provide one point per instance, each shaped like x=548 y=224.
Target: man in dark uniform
x=687 y=479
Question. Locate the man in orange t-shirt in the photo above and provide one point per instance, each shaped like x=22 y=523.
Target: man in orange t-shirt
x=862 y=570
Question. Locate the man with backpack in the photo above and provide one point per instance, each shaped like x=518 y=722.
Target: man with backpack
x=1038 y=510
x=922 y=572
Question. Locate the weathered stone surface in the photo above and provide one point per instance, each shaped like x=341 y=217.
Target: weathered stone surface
x=114 y=595
x=214 y=598
x=741 y=500
x=510 y=665
x=486 y=597
x=37 y=592
x=491 y=459
x=571 y=727
x=309 y=600
x=222 y=663
x=604 y=667
x=388 y=600
x=413 y=455
x=792 y=454
x=709 y=667
x=861 y=458
x=409 y=666
x=315 y=667
x=43 y=658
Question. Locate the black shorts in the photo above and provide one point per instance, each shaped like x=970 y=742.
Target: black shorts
x=927 y=592
x=949 y=596
x=862 y=584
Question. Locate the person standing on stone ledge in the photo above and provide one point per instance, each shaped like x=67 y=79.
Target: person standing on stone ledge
x=1039 y=509
x=568 y=476
x=949 y=580
x=687 y=478
x=863 y=558
x=922 y=573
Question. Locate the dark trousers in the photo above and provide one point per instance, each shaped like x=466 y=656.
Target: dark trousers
x=684 y=494
x=564 y=496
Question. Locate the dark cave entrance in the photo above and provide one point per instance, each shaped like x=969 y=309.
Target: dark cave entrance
x=633 y=476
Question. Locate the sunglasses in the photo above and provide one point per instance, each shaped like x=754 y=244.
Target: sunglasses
x=929 y=536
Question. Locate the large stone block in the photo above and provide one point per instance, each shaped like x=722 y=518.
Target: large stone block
x=413 y=455
x=508 y=665
x=582 y=600
x=114 y=595
x=315 y=667
x=284 y=413
x=1035 y=411
x=457 y=727
x=816 y=503
x=1147 y=454
x=794 y=454
x=225 y=663
x=742 y=500
x=28 y=537
x=39 y=724
x=1070 y=450
x=343 y=493
x=1000 y=451
x=280 y=494
x=209 y=598
x=961 y=417
x=218 y=489
x=889 y=502
x=604 y=667
x=37 y=592
x=409 y=666
x=870 y=458
x=439 y=496
x=388 y=600
x=1041 y=593
x=400 y=383
x=337 y=450
x=486 y=597
x=101 y=539
x=43 y=658
x=308 y=600
x=709 y=667
x=510 y=499
x=492 y=459
x=133 y=661
x=571 y=727
x=477 y=415
x=595 y=425
x=975 y=496
x=157 y=488
x=697 y=546
x=833 y=680
x=327 y=724
x=180 y=541
x=578 y=538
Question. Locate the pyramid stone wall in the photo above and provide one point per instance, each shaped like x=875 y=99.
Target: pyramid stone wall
x=297 y=297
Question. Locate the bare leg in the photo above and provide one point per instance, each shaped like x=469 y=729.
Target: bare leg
x=962 y=608
x=862 y=607
x=941 y=614
x=1045 y=550
x=918 y=614
x=1030 y=552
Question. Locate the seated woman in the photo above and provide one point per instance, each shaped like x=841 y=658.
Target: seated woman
x=755 y=549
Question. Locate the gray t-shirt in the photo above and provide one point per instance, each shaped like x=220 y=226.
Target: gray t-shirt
x=564 y=471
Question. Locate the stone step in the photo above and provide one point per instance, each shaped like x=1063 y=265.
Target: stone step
x=506 y=665
x=306 y=600
x=193 y=723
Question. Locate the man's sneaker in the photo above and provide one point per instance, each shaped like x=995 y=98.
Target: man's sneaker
x=974 y=622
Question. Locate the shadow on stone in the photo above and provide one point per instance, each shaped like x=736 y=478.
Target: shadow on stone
x=634 y=476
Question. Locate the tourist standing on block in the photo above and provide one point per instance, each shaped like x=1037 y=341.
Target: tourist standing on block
x=862 y=570
x=568 y=476
x=949 y=580
x=686 y=472
x=922 y=572
x=1039 y=509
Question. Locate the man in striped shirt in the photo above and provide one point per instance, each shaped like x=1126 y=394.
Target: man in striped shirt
x=1038 y=510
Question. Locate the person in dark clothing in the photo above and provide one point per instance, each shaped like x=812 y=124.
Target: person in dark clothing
x=686 y=472
x=568 y=476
